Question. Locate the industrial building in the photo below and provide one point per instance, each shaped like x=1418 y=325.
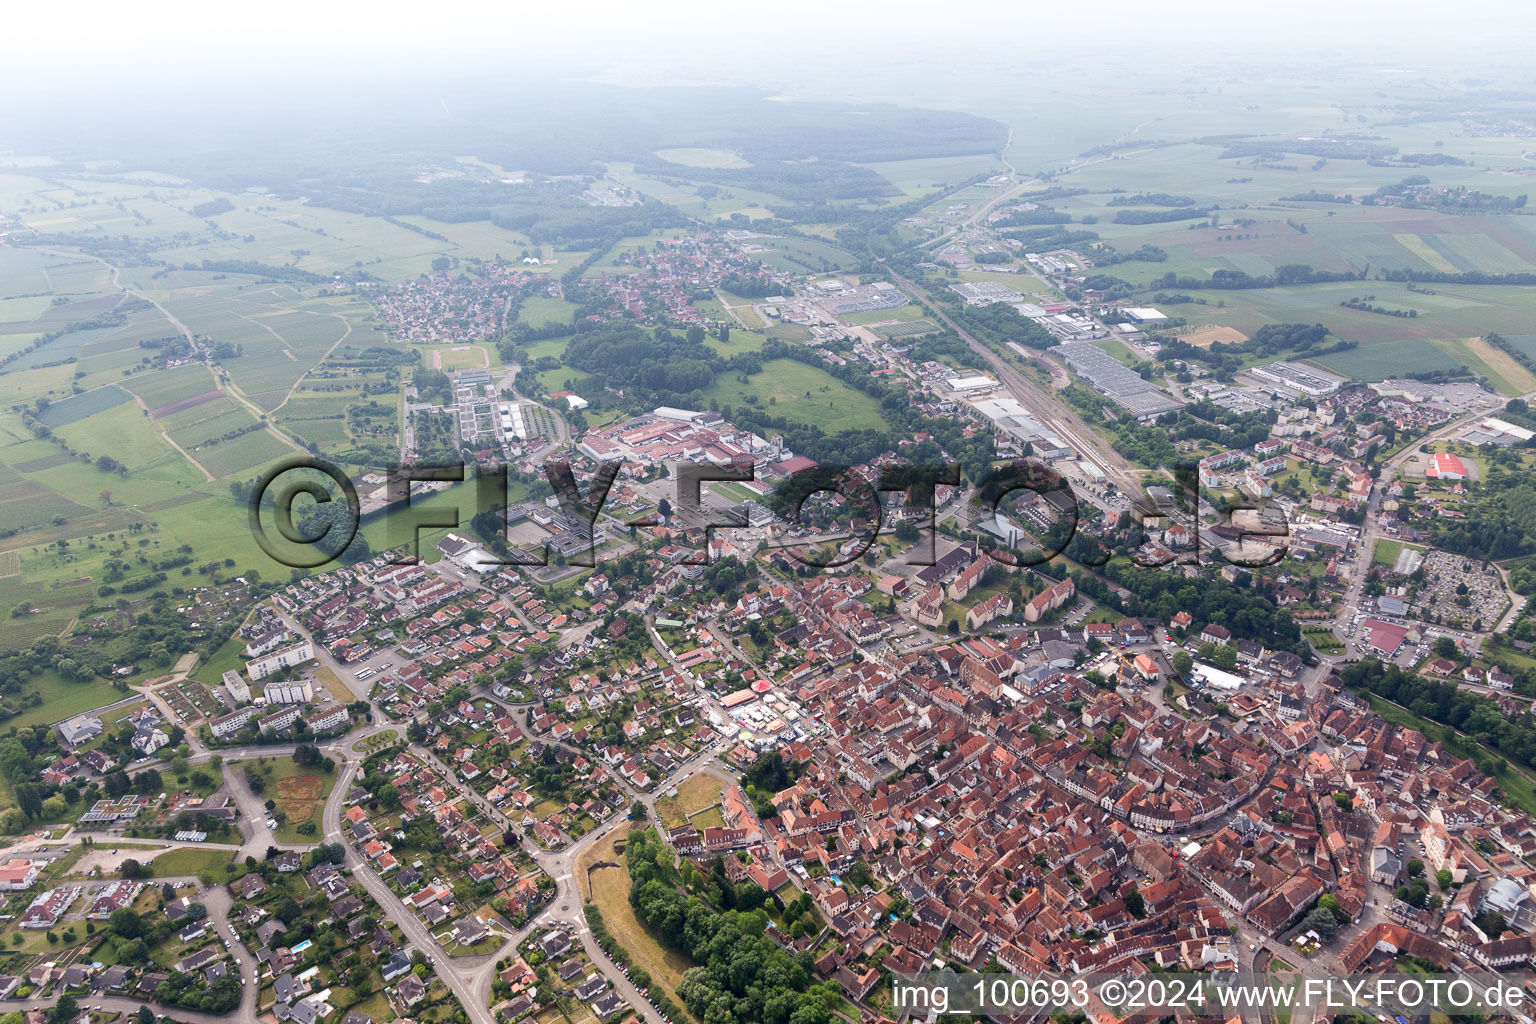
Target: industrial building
x=1298 y=378
x=1018 y=421
x=864 y=299
x=978 y=382
x=1112 y=378
x=984 y=293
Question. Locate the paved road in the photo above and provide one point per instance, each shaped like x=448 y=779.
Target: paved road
x=410 y=925
x=219 y=903
x=1371 y=531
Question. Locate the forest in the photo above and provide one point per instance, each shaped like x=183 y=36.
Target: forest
x=345 y=154
x=665 y=365
x=742 y=974
x=1236 y=280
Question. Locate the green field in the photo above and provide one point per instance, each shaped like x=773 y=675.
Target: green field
x=703 y=157
x=1389 y=359
x=64 y=698
x=905 y=314
x=799 y=392
x=1504 y=374
x=71 y=410
x=190 y=863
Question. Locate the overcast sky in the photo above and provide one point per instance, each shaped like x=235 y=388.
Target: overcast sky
x=337 y=42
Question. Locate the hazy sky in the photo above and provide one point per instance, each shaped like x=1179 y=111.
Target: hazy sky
x=285 y=42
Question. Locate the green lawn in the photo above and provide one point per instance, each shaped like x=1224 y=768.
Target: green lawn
x=801 y=393
x=1323 y=640
x=293 y=787
x=382 y=739
x=190 y=862
x=1386 y=552
x=63 y=698
x=224 y=659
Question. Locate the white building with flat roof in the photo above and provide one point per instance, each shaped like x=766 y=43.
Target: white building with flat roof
x=1210 y=675
x=1298 y=378
x=300 y=691
x=239 y=692
x=277 y=661
x=977 y=383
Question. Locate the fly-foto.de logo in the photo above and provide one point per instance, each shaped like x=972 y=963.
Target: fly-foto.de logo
x=306 y=512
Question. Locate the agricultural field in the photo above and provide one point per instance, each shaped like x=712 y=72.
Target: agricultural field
x=78 y=407
x=703 y=157
x=1389 y=359
x=122 y=432
x=1503 y=372
x=803 y=255
x=924 y=174
x=686 y=198
x=161 y=391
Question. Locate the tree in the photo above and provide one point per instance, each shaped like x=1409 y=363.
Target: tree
x=66 y=1009
x=1445 y=647
x=637 y=811
x=15 y=764
x=1443 y=879
x=30 y=799
x=1415 y=895
x=1321 y=920
x=12 y=821
x=125 y=921
x=1415 y=867
x=131 y=869
x=1135 y=904
x=1182 y=662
